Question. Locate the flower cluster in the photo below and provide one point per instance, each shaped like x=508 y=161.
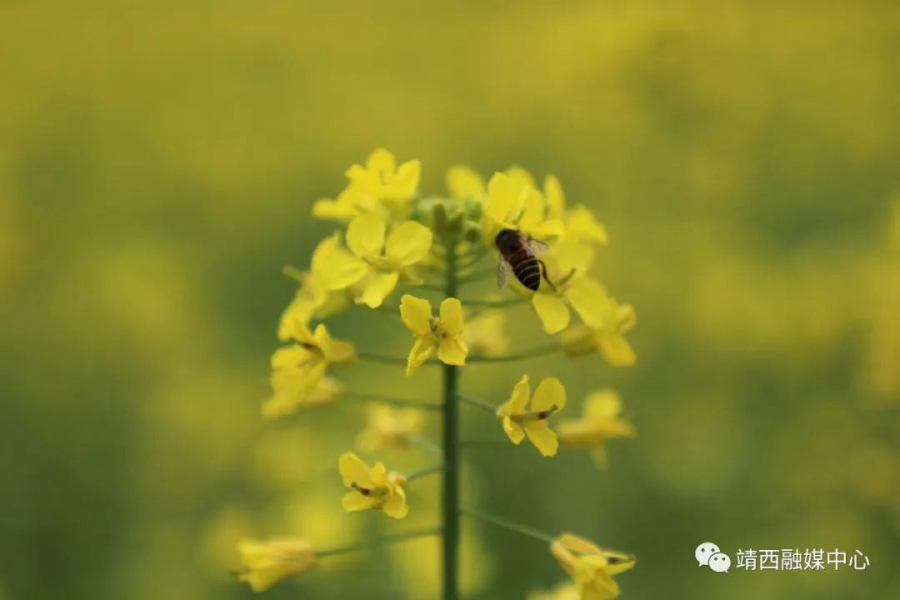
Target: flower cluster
x=392 y=246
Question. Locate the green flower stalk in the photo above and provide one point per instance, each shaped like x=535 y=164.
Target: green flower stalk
x=394 y=242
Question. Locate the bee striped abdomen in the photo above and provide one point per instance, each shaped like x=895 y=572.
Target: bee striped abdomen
x=526 y=269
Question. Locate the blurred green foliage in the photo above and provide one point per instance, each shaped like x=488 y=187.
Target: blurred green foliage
x=158 y=162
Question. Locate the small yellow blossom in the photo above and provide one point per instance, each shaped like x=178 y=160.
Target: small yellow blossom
x=390 y=428
x=332 y=269
x=327 y=390
x=298 y=370
x=581 y=224
x=600 y=422
x=266 y=563
x=608 y=339
x=563 y=591
x=567 y=267
x=464 y=183
x=520 y=419
x=514 y=203
x=373 y=488
x=385 y=259
x=444 y=332
x=485 y=334
x=591 y=567
x=380 y=188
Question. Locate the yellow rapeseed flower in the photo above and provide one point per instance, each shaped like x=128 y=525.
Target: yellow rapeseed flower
x=298 y=370
x=385 y=259
x=266 y=563
x=514 y=203
x=390 y=428
x=326 y=391
x=609 y=339
x=567 y=267
x=600 y=422
x=581 y=224
x=380 y=187
x=444 y=332
x=372 y=489
x=591 y=567
x=332 y=269
x=521 y=419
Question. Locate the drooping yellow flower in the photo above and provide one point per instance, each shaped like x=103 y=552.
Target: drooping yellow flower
x=563 y=591
x=390 y=428
x=514 y=203
x=380 y=188
x=581 y=224
x=485 y=334
x=591 y=567
x=332 y=269
x=298 y=370
x=521 y=419
x=600 y=422
x=608 y=340
x=327 y=390
x=266 y=563
x=568 y=268
x=464 y=183
x=385 y=262
x=443 y=333
x=372 y=489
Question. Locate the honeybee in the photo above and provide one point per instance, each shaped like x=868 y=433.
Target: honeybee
x=518 y=255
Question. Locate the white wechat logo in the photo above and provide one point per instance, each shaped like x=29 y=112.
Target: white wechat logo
x=709 y=555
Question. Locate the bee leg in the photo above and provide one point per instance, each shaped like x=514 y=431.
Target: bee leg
x=544 y=275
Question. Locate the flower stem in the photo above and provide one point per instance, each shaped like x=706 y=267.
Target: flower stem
x=382 y=541
x=389 y=360
x=509 y=525
x=478 y=403
x=450 y=492
x=533 y=353
x=420 y=473
x=399 y=402
x=425 y=445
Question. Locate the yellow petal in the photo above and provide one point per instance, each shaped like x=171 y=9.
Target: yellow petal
x=556 y=199
x=354 y=501
x=553 y=312
x=408 y=244
x=407 y=179
x=588 y=298
x=463 y=182
x=353 y=470
x=378 y=287
x=416 y=314
x=519 y=397
x=421 y=351
x=395 y=506
x=453 y=352
x=451 y=317
x=543 y=438
x=617 y=351
x=583 y=225
x=603 y=587
x=382 y=162
x=513 y=431
x=549 y=393
x=365 y=235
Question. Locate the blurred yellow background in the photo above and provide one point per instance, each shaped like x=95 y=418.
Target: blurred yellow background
x=158 y=164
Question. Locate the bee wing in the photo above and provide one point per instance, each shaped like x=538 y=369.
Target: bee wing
x=503 y=271
x=537 y=246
